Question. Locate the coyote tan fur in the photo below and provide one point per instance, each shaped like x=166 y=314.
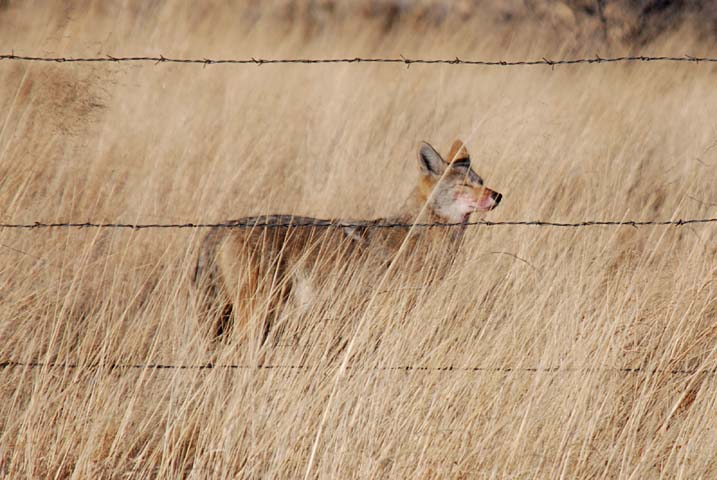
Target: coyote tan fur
x=252 y=270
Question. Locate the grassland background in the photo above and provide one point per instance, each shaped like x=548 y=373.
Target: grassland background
x=166 y=143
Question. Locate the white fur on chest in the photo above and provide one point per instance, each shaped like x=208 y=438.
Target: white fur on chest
x=304 y=291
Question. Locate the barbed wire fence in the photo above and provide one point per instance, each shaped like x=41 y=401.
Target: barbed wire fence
x=161 y=59
x=4 y=365
x=313 y=223
x=365 y=224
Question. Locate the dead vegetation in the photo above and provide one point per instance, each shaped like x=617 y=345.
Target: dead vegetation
x=608 y=332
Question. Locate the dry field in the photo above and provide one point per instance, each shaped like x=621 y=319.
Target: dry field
x=551 y=317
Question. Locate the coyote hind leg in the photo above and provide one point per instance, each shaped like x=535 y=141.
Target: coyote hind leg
x=272 y=324
x=223 y=324
x=210 y=304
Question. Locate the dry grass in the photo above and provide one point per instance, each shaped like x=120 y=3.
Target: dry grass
x=175 y=143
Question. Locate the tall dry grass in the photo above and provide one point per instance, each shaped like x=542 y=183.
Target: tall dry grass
x=142 y=143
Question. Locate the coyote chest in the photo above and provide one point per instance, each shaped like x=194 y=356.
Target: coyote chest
x=251 y=268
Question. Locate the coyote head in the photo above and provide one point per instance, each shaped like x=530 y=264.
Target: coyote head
x=454 y=189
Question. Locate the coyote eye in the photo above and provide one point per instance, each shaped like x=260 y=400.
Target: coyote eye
x=462 y=163
x=475 y=178
x=472 y=180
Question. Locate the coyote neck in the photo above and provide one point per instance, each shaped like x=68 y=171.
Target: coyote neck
x=415 y=210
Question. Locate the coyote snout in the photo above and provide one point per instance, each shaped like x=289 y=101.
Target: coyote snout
x=490 y=200
x=251 y=270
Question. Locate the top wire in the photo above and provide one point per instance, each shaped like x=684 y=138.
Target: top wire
x=396 y=60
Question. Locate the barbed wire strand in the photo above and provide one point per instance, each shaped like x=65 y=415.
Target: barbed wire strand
x=365 y=224
x=11 y=364
x=395 y=60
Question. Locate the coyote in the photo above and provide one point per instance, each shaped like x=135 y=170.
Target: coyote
x=252 y=269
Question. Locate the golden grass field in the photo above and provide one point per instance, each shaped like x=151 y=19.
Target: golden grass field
x=552 y=316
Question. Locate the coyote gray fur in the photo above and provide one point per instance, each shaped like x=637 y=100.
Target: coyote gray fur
x=252 y=270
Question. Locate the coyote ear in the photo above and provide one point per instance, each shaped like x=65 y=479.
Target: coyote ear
x=458 y=155
x=430 y=160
